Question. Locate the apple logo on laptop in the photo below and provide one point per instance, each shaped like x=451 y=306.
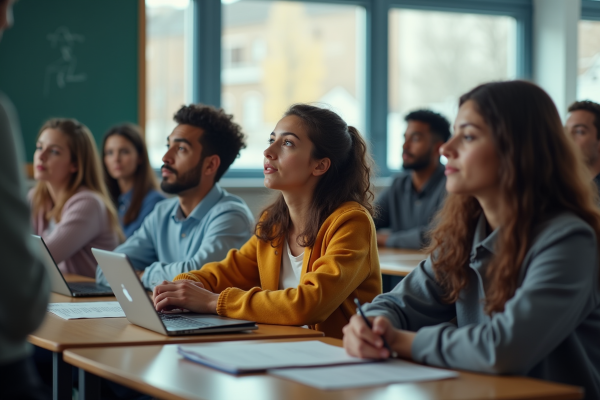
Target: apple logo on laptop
x=126 y=293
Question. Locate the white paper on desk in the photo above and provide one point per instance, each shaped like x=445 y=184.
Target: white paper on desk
x=354 y=376
x=95 y=309
x=247 y=357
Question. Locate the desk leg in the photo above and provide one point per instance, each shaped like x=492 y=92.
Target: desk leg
x=89 y=386
x=62 y=379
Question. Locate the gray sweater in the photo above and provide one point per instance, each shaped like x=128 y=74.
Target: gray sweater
x=24 y=293
x=408 y=213
x=550 y=328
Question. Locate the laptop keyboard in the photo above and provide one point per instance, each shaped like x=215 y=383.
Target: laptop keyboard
x=175 y=322
x=89 y=287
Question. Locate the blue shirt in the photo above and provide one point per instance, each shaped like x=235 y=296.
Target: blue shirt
x=124 y=201
x=168 y=243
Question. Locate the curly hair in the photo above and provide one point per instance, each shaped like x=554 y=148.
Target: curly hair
x=438 y=124
x=591 y=107
x=221 y=135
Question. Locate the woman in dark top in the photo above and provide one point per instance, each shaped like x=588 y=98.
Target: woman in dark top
x=129 y=177
x=512 y=285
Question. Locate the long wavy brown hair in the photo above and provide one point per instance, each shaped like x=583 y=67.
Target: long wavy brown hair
x=541 y=174
x=348 y=178
x=144 y=178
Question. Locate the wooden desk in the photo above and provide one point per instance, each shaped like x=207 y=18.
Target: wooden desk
x=56 y=334
x=159 y=371
x=77 y=278
x=399 y=262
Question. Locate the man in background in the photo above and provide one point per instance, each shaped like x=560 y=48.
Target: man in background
x=415 y=195
x=583 y=124
x=24 y=297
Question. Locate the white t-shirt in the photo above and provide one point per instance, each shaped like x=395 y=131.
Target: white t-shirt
x=291 y=268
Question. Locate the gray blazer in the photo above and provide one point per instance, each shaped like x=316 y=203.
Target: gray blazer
x=550 y=328
x=24 y=294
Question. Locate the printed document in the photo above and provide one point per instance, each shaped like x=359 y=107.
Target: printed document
x=95 y=309
x=247 y=356
x=354 y=376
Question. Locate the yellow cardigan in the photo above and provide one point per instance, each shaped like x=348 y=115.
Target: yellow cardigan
x=343 y=264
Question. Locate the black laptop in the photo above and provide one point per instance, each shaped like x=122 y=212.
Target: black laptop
x=60 y=285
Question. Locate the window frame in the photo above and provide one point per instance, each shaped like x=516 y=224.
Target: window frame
x=590 y=10
x=207 y=58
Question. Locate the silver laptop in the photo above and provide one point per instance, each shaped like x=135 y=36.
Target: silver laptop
x=139 y=308
x=58 y=282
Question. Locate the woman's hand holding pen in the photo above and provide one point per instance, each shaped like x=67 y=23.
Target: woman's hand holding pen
x=360 y=341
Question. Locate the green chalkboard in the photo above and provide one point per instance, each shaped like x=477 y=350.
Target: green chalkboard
x=71 y=58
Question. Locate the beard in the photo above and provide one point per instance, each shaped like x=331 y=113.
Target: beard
x=187 y=180
x=419 y=163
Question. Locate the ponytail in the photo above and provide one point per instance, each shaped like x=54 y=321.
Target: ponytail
x=360 y=168
x=348 y=178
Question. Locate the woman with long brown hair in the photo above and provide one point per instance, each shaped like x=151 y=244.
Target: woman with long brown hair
x=314 y=249
x=71 y=207
x=129 y=176
x=514 y=254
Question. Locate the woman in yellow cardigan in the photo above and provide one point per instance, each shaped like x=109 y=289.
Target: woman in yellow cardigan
x=314 y=249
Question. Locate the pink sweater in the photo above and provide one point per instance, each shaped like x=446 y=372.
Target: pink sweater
x=84 y=224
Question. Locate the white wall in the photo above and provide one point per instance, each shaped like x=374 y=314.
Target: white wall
x=555 y=31
x=258 y=197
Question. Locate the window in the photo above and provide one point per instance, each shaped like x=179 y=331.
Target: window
x=168 y=69
x=261 y=56
x=588 y=77
x=276 y=53
x=434 y=57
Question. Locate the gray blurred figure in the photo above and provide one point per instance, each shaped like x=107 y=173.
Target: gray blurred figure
x=24 y=296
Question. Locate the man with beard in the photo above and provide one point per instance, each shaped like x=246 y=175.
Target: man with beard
x=583 y=124
x=203 y=222
x=408 y=205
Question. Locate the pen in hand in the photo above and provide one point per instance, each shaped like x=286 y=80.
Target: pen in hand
x=392 y=353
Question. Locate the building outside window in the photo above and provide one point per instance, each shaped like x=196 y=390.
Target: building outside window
x=277 y=53
x=168 y=69
x=274 y=53
x=434 y=57
x=588 y=74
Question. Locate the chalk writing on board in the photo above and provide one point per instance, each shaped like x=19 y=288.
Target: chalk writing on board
x=64 y=70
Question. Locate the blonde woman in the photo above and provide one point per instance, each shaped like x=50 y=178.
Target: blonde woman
x=72 y=210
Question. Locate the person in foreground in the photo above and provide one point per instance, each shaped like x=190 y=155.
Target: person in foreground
x=71 y=207
x=24 y=298
x=203 y=222
x=314 y=249
x=129 y=177
x=514 y=255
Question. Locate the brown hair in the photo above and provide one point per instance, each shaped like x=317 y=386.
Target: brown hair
x=144 y=179
x=540 y=176
x=89 y=172
x=348 y=177
x=591 y=107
